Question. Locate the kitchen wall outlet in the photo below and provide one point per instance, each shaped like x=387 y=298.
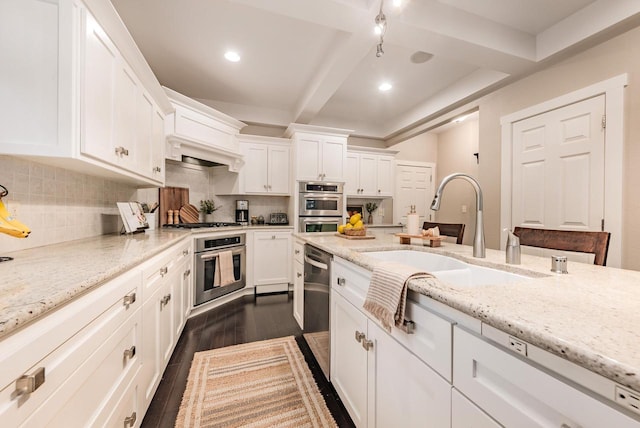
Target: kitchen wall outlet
x=628 y=399
x=14 y=209
x=463 y=209
x=518 y=346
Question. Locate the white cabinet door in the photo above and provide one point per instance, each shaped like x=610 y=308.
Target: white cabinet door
x=385 y=175
x=143 y=154
x=99 y=89
x=349 y=360
x=367 y=174
x=333 y=159
x=127 y=100
x=272 y=258
x=352 y=174
x=406 y=392
x=157 y=146
x=279 y=161
x=308 y=161
x=255 y=170
x=298 y=292
x=465 y=414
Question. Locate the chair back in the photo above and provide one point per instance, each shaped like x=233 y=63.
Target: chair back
x=455 y=230
x=596 y=243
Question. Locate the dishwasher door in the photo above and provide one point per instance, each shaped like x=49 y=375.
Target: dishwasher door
x=317 y=276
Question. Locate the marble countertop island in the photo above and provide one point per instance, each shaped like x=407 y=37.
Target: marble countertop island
x=589 y=316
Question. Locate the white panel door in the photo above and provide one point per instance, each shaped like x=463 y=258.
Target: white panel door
x=308 y=158
x=279 y=161
x=368 y=174
x=558 y=168
x=256 y=178
x=333 y=159
x=414 y=186
x=385 y=176
x=352 y=174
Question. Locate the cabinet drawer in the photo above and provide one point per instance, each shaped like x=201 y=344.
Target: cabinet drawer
x=36 y=346
x=465 y=414
x=516 y=393
x=85 y=394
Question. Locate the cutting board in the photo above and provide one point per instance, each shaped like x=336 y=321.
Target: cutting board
x=355 y=236
x=189 y=214
x=171 y=198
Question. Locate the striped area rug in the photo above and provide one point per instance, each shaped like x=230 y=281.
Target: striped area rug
x=258 y=384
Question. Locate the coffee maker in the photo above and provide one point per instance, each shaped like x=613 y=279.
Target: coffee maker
x=242 y=212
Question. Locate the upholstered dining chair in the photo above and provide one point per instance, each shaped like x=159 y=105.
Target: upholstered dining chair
x=596 y=243
x=455 y=230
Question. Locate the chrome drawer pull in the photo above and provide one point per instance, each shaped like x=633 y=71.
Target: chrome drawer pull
x=165 y=300
x=164 y=271
x=26 y=384
x=367 y=344
x=130 y=420
x=341 y=282
x=129 y=299
x=157 y=169
x=187 y=273
x=185 y=252
x=409 y=326
x=130 y=353
x=359 y=336
x=297 y=251
x=299 y=274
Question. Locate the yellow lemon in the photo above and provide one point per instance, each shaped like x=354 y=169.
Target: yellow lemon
x=355 y=218
x=348 y=226
x=341 y=228
x=358 y=225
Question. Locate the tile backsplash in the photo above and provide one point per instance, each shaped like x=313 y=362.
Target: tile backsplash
x=61 y=205
x=57 y=204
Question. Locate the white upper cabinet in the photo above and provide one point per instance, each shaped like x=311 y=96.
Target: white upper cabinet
x=199 y=131
x=369 y=172
x=90 y=91
x=320 y=153
x=265 y=170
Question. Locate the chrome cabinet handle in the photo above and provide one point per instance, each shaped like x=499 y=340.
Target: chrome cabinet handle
x=273 y=236
x=119 y=150
x=157 y=169
x=129 y=299
x=164 y=271
x=130 y=420
x=298 y=274
x=265 y=186
x=359 y=336
x=409 y=326
x=187 y=273
x=165 y=300
x=26 y=384
x=341 y=281
x=125 y=151
x=367 y=344
x=130 y=353
x=297 y=251
x=185 y=252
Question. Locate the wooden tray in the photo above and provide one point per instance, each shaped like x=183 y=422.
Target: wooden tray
x=189 y=214
x=355 y=236
x=434 y=241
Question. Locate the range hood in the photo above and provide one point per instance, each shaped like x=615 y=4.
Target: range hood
x=197 y=131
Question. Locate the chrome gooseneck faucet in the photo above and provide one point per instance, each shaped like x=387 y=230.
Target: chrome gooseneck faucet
x=478 y=238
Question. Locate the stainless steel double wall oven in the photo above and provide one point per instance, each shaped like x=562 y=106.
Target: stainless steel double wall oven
x=321 y=206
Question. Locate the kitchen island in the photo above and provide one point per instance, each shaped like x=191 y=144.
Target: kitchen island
x=589 y=316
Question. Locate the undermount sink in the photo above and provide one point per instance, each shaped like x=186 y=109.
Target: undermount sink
x=448 y=269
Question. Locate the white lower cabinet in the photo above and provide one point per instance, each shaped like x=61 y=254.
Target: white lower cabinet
x=515 y=393
x=465 y=414
x=381 y=383
x=272 y=260
x=298 y=282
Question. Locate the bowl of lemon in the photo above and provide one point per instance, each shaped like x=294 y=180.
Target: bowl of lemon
x=355 y=226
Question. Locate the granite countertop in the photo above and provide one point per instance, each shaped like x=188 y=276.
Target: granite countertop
x=589 y=316
x=41 y=279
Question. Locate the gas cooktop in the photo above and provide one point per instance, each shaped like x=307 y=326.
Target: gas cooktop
x=198 y=225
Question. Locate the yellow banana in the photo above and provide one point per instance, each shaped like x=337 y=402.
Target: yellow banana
x=10 y=225
x=7 y=228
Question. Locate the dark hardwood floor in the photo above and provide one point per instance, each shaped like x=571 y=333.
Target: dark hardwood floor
x=246 y=319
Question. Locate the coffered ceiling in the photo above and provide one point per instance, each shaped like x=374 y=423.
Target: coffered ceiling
x=313 y=61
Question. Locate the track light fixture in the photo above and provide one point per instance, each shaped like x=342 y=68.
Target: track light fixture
x=380 y=29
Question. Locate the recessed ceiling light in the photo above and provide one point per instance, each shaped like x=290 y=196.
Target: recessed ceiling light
x=397 y=3
x=232 y=56
x=459 y=119
x=385 y=86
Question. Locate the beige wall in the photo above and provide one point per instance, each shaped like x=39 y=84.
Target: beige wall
x=421 y=148
x=617 y=56
x=456 y=147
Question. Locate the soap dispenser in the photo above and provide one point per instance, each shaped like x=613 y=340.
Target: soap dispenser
x=413 y=222
x=513 y=248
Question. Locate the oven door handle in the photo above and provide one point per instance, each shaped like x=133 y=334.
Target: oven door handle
x=315 y=263
x=322 y=196
x=209 y=256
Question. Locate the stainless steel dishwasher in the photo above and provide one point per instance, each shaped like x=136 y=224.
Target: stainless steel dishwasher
x=317 y=277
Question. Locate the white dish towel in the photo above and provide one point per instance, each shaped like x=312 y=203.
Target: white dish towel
x=387 y=296
x=224 y=269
